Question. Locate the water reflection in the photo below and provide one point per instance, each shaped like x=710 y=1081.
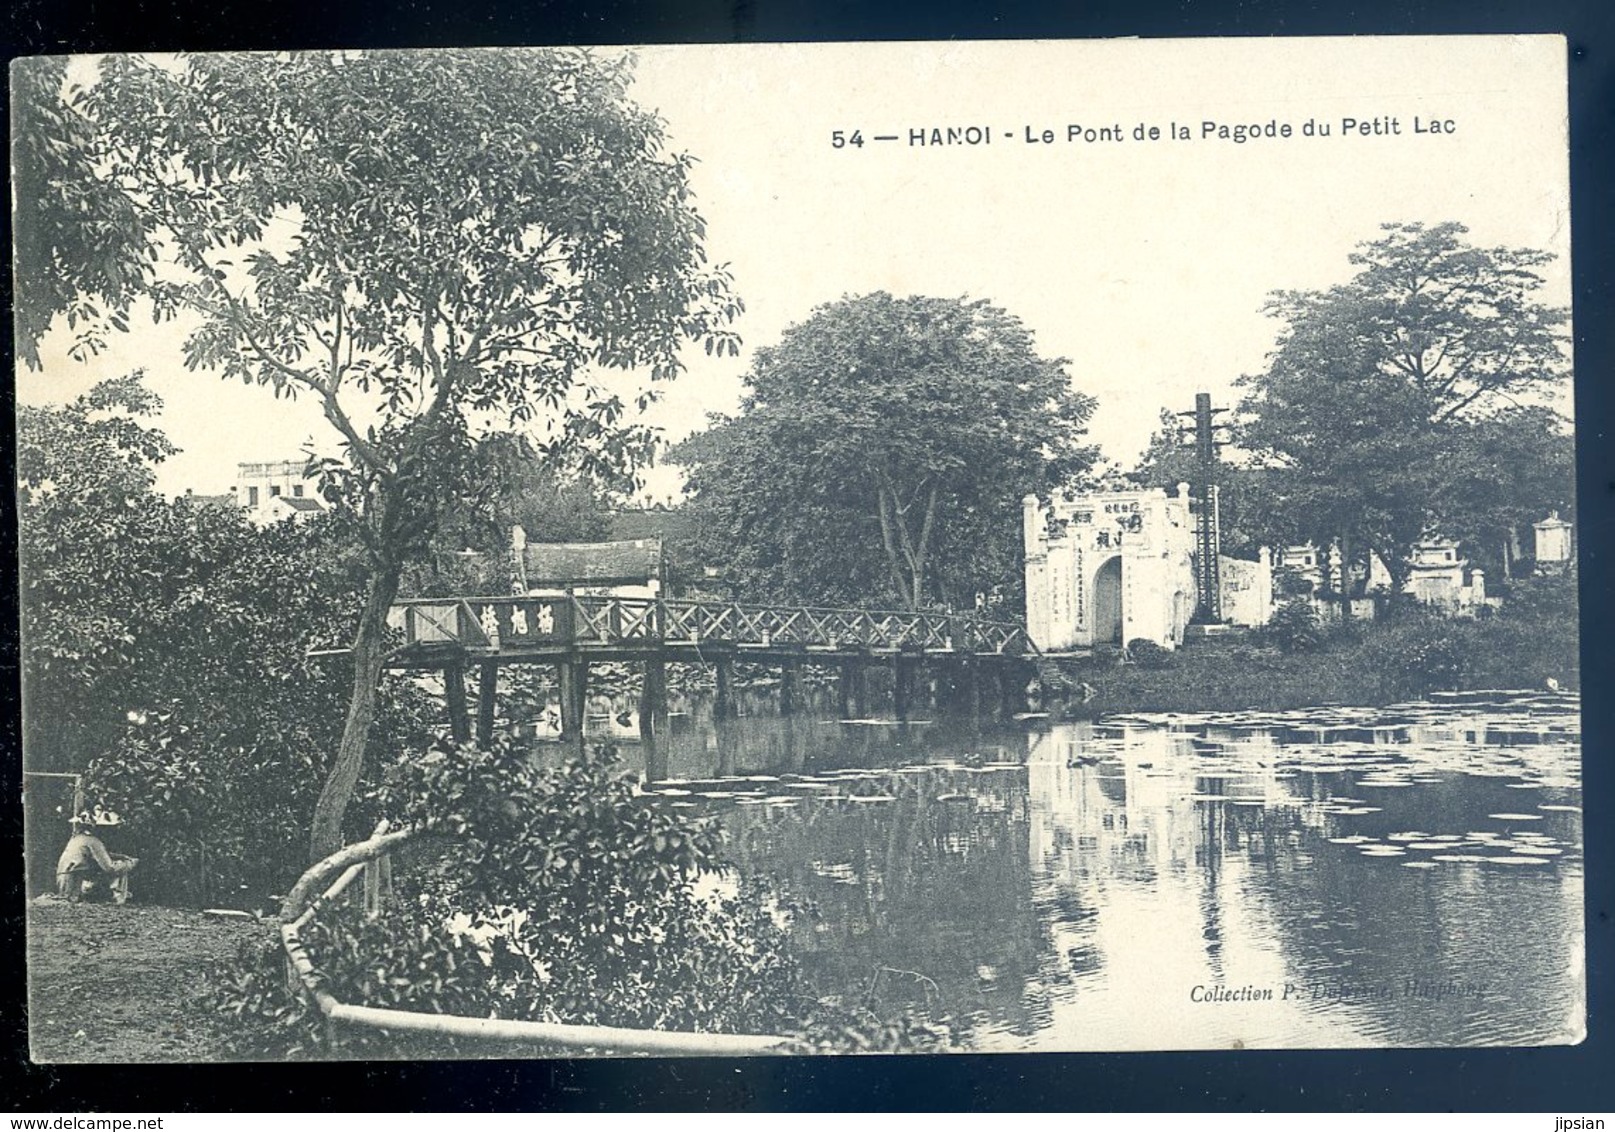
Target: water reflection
x=1410 y=875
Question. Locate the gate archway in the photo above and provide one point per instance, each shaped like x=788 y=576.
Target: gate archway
x=1107 y=603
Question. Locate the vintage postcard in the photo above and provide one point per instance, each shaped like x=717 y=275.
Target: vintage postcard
x=748 y=549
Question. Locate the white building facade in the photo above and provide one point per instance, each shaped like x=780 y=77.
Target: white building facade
x=1437 y=575
x=276 y=489
x=1108 y=568
x=1555 y=543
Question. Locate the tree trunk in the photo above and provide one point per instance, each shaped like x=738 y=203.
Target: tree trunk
x=894 y=521
x=887 y=505
x=1396 y=565
x=917 y=590
x=326 y=837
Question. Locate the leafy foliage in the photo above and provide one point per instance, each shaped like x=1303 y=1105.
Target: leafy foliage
x=1295 y=626
x=1147 y=654
x=560 y=896
x=1388 y=399
x=1499 y=475
x=434 y=246
x=595 y=895
x=1532 y=639
x=1170 y=460
x=80 y=248
x=470 y=550
x=883 y=448
x=165 y=651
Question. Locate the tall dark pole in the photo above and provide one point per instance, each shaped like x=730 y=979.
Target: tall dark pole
x=1208 y=575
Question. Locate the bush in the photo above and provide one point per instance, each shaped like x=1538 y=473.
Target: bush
x=218 y=798
x=1295 y=626
x=1106 y=656
x=164 y=655
x=1418 y=653
x=1545 y=599
x=562 y=896
x=1147 y=654
x=573 y=874
x=1532 y=638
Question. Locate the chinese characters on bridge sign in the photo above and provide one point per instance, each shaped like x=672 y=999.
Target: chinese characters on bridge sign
x=520 y=621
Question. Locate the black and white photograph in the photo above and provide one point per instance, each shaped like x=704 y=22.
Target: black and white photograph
x=794 y=549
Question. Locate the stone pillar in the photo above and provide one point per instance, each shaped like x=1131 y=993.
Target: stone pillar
x=1034 y=530
x=1263 y=600
x=1552 y=540
x=487 y=690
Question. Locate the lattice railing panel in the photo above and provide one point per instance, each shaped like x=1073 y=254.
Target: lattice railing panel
x=512 y=622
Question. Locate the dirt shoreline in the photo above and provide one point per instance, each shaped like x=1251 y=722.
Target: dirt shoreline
x=120 y=984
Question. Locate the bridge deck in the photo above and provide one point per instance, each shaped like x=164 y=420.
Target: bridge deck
x=518 y=629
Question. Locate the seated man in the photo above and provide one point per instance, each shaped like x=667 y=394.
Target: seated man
x=85 y=870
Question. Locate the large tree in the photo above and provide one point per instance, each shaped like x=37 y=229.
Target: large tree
x=1378 y=385
x=428 y=244
x=882 y=449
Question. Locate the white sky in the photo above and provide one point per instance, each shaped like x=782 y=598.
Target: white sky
x=1144 y=263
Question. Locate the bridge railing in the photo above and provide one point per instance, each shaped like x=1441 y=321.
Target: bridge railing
x=514 y=621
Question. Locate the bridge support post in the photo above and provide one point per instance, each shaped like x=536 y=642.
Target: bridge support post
x=655 y=759
x=852 y=689
x=790 y=687
x=723 y=704
x=487 y=690
x=903 y=686
x=987 y=688
x=1011 y=688
x=574 y=680
x=454 y=692
x=970 y=678
x=728 y=743
x=653 y=700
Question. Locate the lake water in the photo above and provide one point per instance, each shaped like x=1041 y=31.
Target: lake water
x=1403 y=876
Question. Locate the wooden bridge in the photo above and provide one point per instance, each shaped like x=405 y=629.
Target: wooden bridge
x=571 y=631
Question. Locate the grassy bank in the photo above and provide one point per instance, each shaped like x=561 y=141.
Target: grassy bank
x=1523 y=646
x=123 y=984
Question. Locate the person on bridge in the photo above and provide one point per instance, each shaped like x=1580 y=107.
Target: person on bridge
x=85 y=870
